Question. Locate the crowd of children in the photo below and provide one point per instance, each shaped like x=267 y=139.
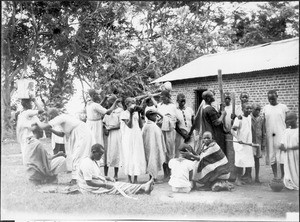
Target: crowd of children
x=151 y=136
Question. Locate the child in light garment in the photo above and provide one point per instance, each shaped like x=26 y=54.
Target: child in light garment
x=241 y=130
x=290 y=146
x=181 y=172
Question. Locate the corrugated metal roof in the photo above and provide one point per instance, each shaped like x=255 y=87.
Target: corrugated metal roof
x=261 y=57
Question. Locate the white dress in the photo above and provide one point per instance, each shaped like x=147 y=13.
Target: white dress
x=134 y=160
x=94 y=114
x=25 y=119
x=114 y=140
x=243 y=153
x=275 y=126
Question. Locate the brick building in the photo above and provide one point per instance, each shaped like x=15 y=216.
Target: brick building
x=254 y=69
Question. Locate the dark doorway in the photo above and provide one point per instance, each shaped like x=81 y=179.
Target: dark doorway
x=198 y=97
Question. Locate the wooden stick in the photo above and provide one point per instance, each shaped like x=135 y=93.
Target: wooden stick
x=233 y=103
x=249 y=144
x=145 y=96
x=221 y=87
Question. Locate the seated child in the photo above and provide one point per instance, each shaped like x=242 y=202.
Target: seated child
x=290 y=144
x=181 y=172
x=41 y=166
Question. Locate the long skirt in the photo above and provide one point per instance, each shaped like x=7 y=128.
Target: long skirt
x=79 y=143
x=96 y=126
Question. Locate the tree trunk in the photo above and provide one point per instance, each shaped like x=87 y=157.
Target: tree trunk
x=7 y=129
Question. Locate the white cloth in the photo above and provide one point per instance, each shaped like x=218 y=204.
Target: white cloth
x=134 y=162
x=114 y=140
x=94 y=114
x=25 y=119
x=243 y=153
x=180 y=169
x=290 y=139
x=275 y=126
x=78 y=139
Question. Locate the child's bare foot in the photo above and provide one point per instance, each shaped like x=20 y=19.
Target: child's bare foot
x=149 y=186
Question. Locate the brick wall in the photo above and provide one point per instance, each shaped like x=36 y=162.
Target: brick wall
x=257 y=84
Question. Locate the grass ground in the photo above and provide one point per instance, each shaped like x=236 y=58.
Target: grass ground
x=20 y=200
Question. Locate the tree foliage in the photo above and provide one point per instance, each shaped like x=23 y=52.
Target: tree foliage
x=122 y=46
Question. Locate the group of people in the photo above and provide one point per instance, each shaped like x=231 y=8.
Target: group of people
x=193 y=150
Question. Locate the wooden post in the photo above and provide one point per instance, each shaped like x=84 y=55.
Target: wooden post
x=233 y=103
x=221 y=87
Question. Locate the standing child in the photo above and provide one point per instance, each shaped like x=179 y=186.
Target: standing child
x=290 y=145
x=241 y=130
x=114 y=140
x=258 y=137
x=134 y=162
x=154 y=144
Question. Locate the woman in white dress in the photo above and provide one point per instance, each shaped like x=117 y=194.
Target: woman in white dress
x=95 y=113
x=134 y=161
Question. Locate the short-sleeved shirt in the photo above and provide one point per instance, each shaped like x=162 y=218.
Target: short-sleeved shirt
x=184 y=118
x=114 y=118
x=89 y=170
x=94 y=111
x=67 y=123
x=180 y=172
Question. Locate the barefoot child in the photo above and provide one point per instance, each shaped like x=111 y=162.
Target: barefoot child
x=134 y=162
x=241 y=130
x=154 y=144
x=258 y=137
x=290 y=145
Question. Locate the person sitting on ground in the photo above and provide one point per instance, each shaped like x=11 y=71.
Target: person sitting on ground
x=290 y=146
x=91 y=180
x=181 y=172
x=211 y=169
x=41 y=166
